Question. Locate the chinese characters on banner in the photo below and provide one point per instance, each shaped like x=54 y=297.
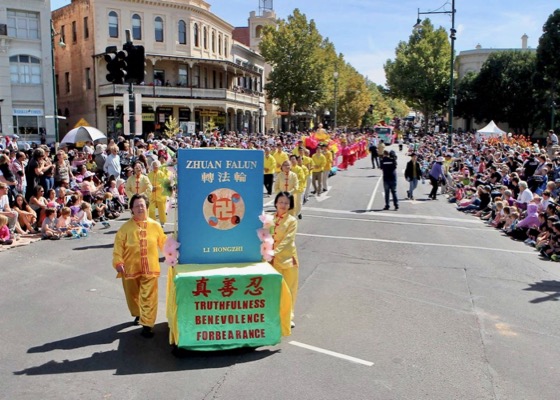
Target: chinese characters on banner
x=220 y=198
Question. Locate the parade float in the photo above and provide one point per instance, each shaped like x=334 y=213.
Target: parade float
x=221 y=292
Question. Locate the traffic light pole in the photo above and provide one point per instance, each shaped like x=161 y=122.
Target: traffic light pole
x=131 y=110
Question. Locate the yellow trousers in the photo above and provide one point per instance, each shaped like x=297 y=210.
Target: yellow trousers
x=142 y=298
x=291 y=276
x=162 y=210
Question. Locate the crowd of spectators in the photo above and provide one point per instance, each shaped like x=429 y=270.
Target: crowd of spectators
x=510 y=183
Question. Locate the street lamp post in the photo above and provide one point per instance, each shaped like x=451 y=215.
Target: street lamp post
x=452 y=36
x=55 y=113
x=335 y=75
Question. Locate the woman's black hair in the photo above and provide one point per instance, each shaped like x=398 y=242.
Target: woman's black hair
x=285 y=194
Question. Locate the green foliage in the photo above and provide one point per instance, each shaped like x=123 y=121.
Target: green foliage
x=548 y=62
x=420 y=72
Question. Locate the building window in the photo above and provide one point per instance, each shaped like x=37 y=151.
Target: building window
x=136 y=27
x=63 y=33
x=182 y=32
x=183 y=75
x=195 y=36
x=88 y=78
x=113 y=25
x=220 y=44
x=86 y=28
x=26 y=125
x=205 y=38
x=159 y=77
x=23 y=25
x=213 y=42
x=67 y=81
x=74 y=32
x=25 y=70
x=226 y=47
x=159 y=29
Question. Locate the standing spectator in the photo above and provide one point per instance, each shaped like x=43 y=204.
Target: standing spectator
x=136 y=259
x=412 y=173
x=62 y=169
x=436 y=175
x=269 y=169
x=389 y=167
x=18 y=167
x=112 y=165
x=33 y=171
x=8 y=177
x=373 y=142
x=99 y=158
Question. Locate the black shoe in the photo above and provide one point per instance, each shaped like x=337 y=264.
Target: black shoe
x=299 y=216
x=386 y=207
x=136 y=321
x=147 y=332
x=396 y=208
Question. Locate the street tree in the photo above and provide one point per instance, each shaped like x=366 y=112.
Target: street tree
x=419 y=74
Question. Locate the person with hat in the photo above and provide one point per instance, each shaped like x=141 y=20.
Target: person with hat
x=436 y=175
x=99 y=157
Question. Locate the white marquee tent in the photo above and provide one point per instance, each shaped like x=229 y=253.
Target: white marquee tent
x=491 y=130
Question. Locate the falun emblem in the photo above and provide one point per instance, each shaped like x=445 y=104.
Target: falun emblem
x=223 y=209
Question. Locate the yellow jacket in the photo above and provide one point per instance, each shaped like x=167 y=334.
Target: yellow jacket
x=157 y=180
x=138 y=185
x=329 y=157
x=301 y=176
x=308 y=163
x=280 y=157
x=319 y=162
x=269 y=164
x=286 y=183
x=285 y=253
x=128 y=248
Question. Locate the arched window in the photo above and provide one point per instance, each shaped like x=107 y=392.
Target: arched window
x=25 y=70
x=258 y=31
x=182 y=29
x=226 y=47
x=213 y=42
x=205 y=38
x=113 y=24
x=158 y=24
x=220 y=44
x=195 y=35
x=136 y=27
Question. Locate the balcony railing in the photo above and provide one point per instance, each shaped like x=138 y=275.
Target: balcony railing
x=183 y=93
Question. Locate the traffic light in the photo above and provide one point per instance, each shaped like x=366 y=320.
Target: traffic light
x=116 y=65
x=135 y=63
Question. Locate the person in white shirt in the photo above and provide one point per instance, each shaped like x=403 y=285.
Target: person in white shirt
x=525 y=196
x=112 y=166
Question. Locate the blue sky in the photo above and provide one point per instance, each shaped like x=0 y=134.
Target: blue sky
x=368 y=31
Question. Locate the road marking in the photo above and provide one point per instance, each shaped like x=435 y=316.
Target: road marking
x=370 y=203
x=415 y=243
x=322 y=197
x=333 y=353
x=394 y=214
x=400 y=223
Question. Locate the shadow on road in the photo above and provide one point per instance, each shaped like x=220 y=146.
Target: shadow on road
x=97 y=246
x=551 y=288
x=135 y=354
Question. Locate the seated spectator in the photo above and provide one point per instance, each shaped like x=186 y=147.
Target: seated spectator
x=5 y=235
x=38 y=203
x=525 y=196
x=88 y=188
x=98 y=209
x=64 y=222
x=530 y=221
x=84 y=216
x=48 y=229
x=26 y=216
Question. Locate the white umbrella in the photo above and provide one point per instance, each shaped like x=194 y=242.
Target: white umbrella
x=83 y=134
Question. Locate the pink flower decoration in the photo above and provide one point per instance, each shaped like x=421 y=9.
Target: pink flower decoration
x=262 y=234
x=171 y=244
x=267 y=220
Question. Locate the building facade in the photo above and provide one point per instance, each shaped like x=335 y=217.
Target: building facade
x=195 y=71
x=26 y=84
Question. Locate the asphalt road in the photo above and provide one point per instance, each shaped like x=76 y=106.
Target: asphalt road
x=420 y=303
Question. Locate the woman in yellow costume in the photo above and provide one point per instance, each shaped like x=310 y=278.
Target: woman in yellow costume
x=287 y=181
x=136 y=259
x=302 y=181
x=158 y=199
x=138 y=183
x=285 y=258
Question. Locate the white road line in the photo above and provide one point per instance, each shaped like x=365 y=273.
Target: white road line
x=370 y=203
x=395 y=215
x=332 y=353
x=415 y=243
x=383 y=221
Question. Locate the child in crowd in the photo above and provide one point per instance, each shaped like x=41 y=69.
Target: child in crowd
x=5 y=237
x=48 y=229
x=99 y=210
x=64 y=222
x=84 y=216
